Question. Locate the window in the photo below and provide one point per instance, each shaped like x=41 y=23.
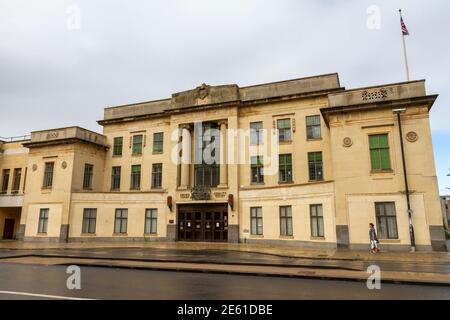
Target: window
x=207 y=143
x=137 y=145
x=286 y=221
x=315 y=166
x=285 y=168
x=256 y=221
x=43 y=221
x=16 y=181
x=151 y=221
x=316 y=213
x=121 y=221
x=115 y=178
x=48 y=175
x=256 y=133
x=379 y=152
x=257 y=169
x=135 y=177
x=157 y=176
x=88 y=175
x=386 y=220
x=5 y=181
x=284 y=130
x=207 y=175
x=158 y=142
x=313 y=127
x=89 y=221
x=118 y=146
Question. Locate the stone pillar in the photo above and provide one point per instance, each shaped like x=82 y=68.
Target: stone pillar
x=64 y=233
x=185 y=157
x=343 y=236
x=437 y=236
x=223 y=155
x=233 y=233
x=171 y=233
x=21 y=234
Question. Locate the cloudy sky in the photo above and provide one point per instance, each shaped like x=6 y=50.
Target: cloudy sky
x=62 y=62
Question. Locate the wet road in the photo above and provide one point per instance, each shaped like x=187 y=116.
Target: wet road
x=231 y=257
x=49 y=282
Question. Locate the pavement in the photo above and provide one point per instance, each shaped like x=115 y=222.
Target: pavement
x=397 y=267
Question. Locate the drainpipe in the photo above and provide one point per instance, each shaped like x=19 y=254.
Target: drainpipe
x=398 y=112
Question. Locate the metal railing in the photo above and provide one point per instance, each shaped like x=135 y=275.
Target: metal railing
x=16 y=139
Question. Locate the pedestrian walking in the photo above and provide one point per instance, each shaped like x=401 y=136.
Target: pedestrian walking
x=374 y=243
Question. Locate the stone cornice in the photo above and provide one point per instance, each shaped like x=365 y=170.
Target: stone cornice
x=237 y=103
x=61 y=142
x=66 y=135
x=206 y=97
x=390 y=104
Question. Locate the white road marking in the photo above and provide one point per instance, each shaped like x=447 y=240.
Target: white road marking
x=41 y=295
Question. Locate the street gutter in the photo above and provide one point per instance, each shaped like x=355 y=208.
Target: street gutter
x=197 y=262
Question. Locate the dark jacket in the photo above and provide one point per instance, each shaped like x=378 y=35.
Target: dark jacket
x=372 y=234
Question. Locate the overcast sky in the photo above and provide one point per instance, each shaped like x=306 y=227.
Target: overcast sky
x=62 y=62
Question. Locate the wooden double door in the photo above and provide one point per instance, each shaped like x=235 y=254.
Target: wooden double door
x=203 y=223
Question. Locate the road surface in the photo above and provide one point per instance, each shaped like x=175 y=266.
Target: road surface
x=49 y=282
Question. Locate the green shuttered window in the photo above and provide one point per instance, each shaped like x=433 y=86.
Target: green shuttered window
x=138 y=145
x=315 y=166
x=257 y=169
x=118 y=146
x=284 y=130
x=285 y=168
x=379 y=152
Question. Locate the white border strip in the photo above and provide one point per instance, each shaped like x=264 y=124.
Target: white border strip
x=41 y=295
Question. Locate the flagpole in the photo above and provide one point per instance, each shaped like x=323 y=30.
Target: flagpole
x=404 y=50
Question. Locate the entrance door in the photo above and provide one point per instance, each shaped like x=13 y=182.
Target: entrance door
x=203 y=223
x=8 y=231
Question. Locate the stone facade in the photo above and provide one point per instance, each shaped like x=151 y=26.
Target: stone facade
x=326 y=202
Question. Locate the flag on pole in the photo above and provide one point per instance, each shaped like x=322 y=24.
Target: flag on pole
x=404 y=28
x=405 y=32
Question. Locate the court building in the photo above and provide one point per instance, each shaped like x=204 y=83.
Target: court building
x=303 y=162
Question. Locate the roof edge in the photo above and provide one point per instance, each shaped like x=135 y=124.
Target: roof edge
x=384 y=85
x=296 y=79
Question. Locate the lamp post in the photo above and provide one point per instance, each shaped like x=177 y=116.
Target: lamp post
x=448 y=176
x=398 y=112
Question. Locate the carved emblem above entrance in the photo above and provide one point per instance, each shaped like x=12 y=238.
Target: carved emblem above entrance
x=412 y=136
x=202 y=92
x=201 y=193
